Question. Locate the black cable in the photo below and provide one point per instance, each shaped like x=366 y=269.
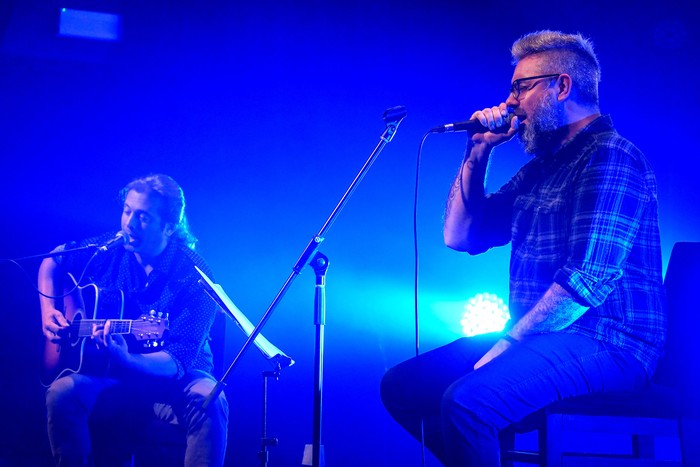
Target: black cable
x=415 y=279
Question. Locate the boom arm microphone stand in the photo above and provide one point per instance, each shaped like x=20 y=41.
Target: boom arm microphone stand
x=392 y=118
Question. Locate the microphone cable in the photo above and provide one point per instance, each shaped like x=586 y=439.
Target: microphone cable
x=415 y=279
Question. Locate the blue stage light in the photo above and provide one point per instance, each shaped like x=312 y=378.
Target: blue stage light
x=484 y=312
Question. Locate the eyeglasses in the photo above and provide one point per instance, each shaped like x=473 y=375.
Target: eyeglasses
x=516 y=89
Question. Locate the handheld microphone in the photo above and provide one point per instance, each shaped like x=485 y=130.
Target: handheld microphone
x=473 y=126
x=121 y=238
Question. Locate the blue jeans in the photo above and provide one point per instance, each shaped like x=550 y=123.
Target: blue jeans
x=92 y=420
x=464 y=410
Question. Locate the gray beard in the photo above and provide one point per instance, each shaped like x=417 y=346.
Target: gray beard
x=544 y=128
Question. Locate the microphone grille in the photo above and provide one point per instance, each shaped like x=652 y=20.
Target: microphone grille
x=123 y=236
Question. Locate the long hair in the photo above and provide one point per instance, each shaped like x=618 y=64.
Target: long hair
x=566 y=53
x=172 y=206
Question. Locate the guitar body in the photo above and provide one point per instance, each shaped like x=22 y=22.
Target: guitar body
x=84 y=307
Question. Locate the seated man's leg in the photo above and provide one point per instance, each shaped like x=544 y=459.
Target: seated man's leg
x=69 y=401
x=116 y=418
x=206 y=432
x=528 y=376
x=413 y=390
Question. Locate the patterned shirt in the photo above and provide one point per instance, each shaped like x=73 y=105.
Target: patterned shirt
x=171 y=289
x=586 y=218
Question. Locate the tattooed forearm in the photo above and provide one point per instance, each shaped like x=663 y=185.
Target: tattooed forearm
x=556 y=310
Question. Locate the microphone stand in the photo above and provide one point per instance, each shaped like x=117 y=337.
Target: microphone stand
x=121 y=238
x=58 y=253
x=320 y=265
x=392 y=118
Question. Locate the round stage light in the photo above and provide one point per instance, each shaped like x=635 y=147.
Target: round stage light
x=484 y=312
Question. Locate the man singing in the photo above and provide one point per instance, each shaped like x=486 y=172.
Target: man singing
x=586 y=297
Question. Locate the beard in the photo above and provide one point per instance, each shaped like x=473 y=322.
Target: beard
x=545 y=127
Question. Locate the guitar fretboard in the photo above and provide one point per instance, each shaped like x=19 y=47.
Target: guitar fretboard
x=83 y=328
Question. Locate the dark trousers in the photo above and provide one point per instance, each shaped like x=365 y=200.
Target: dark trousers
x=464 y=410
x=93 y=420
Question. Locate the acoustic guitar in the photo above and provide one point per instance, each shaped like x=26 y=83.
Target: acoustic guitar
x=76 y=353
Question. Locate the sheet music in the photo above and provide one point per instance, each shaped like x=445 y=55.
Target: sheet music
x=269 y=350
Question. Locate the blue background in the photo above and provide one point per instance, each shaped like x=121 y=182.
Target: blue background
x=264 y=112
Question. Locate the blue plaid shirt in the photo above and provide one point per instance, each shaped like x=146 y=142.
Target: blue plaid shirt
x=586 y=218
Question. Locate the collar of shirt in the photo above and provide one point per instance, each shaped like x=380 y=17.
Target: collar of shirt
x=575 y=145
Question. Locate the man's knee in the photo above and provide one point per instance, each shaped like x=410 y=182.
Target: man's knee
x=387 y=386
x=396 y=390
x=60 y=393
x=198 y=392
x=470 y=401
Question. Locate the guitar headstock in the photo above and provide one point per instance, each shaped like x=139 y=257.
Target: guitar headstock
x=150 y=329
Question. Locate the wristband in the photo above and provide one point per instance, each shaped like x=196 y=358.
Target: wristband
x=508 y=338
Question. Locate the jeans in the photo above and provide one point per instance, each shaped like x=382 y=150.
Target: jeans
x=463 y=410
x=94 y=420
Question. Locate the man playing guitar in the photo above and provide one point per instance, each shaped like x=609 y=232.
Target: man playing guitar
x=151 y=263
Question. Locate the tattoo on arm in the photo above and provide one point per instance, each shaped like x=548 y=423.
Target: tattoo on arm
x=456 y=186
x=555 y=311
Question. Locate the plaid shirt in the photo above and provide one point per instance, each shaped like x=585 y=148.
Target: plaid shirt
x=586 y=218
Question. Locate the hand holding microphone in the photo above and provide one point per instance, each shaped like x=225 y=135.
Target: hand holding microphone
x=489 y=125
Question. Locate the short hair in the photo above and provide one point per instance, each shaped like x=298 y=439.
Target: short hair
x=566 y=53
x=172 y=206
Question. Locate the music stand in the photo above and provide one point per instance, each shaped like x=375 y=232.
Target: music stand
x=267 y=348
x=274 y=355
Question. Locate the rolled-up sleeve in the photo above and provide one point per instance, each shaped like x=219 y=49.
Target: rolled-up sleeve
x=611 y=195
x=189 y=329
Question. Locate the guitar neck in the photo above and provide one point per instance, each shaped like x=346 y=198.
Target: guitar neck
x=83 y=328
